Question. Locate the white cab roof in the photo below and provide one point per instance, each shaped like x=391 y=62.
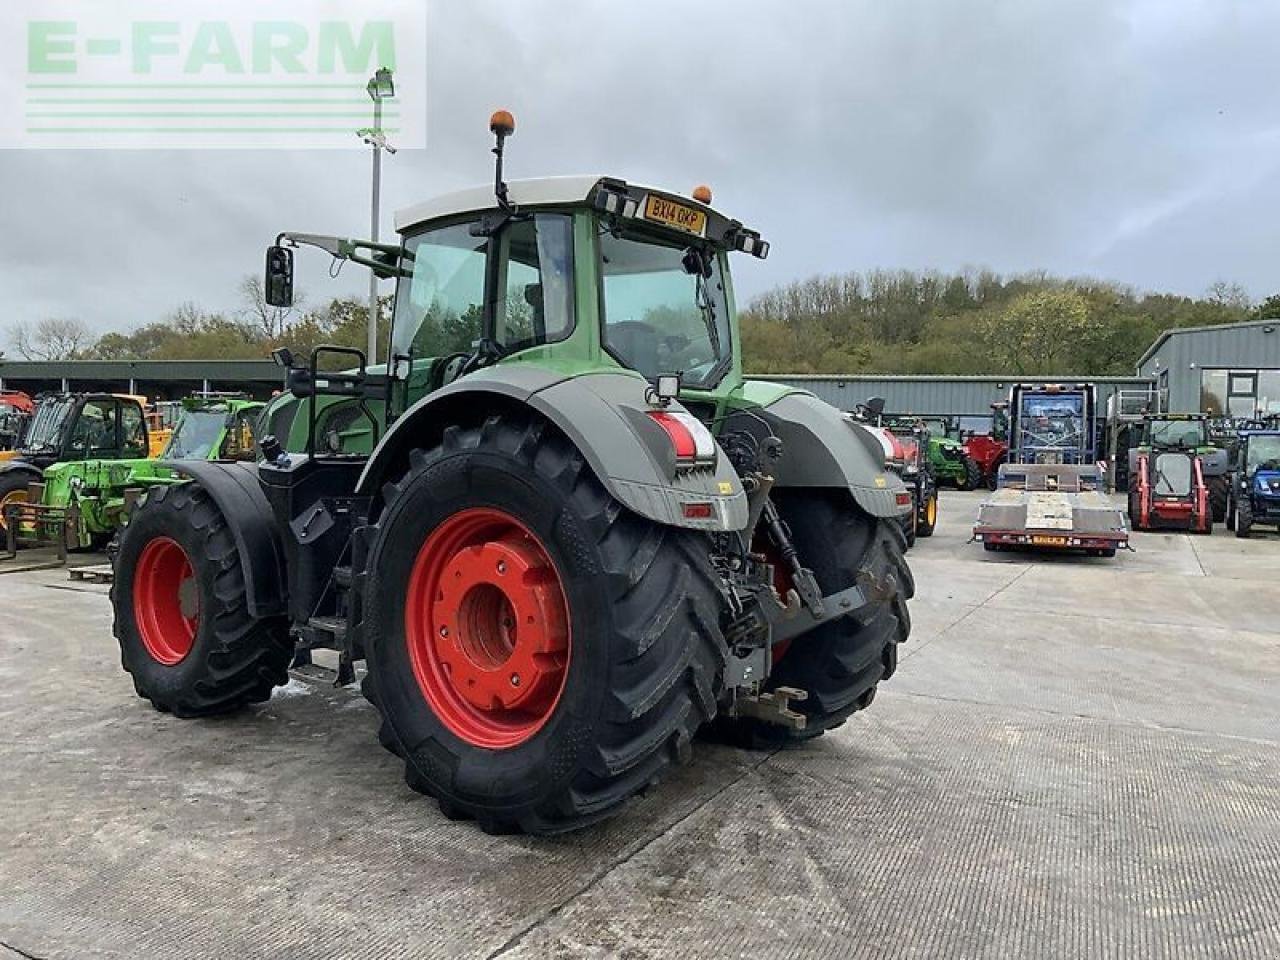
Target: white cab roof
x=545 y=190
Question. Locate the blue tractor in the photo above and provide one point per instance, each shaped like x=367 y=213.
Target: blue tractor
x=1255 y=482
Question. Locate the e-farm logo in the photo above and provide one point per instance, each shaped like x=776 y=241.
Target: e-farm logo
x=164 y=75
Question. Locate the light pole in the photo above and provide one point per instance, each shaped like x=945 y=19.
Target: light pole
x=381 y=87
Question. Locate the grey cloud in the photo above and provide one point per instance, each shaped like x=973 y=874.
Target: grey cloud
x=1130 y=140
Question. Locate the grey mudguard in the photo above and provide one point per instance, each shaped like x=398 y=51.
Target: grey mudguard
x=604 y=415
x=819 y=449
x=234 y=487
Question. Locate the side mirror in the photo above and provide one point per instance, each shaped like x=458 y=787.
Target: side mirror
x=279 y=279
x=875 y=406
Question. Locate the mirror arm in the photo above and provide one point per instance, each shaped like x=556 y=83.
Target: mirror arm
x=344 y=248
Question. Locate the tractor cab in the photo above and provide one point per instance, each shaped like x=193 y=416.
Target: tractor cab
x=1175 y=432
x=1255 y=487
x=215 y=428
x=93 y=426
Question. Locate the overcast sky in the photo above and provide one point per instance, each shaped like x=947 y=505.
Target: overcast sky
x=1134 y=140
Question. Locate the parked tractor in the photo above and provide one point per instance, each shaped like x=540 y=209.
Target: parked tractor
x=988 y=451
x=1255 y=482
x=904 y=449
x=566 y=533
x=1186 y=432
x=15 y=413
x=1168 y=488
x=1049 y=495
x=72 y=428
x=947 y=457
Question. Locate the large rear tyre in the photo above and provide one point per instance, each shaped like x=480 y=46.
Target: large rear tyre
x=971 y=478
x=186 y=635
x=538 y=653
x=1219 y=494
x=993 y=476
x=840 y=663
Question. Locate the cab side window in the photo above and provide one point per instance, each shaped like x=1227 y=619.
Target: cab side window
x=535 y=305
x=95 y=430
x=133 y=432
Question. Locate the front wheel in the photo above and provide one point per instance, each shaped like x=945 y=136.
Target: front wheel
x=1219 y=494
x=1244 y=518
x=185 y=632
x=538 y=653
x=13 y=490
x=929 y=515
x=993 y=477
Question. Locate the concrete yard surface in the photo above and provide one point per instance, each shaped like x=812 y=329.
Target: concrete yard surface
x=1078 y=757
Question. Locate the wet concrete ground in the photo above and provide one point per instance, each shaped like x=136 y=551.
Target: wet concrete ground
x=1077 y=757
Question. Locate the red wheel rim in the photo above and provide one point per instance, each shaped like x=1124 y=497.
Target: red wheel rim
x=487 y=626
x=166 y=601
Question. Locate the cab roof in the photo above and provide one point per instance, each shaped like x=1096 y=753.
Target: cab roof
x=543 y=191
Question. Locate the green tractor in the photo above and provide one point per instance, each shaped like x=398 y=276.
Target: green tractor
x=948 y=461
x=1186 y=432
x=560 y=529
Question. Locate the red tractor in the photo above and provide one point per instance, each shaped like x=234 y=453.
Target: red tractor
x=989 y=450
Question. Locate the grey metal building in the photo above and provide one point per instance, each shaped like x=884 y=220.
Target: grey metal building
x=1230 y=370
x=967 y=397
x=158 y=379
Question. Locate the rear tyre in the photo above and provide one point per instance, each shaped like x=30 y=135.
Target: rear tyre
x=840 y=663
x=1219 y=494
x=186 y=635
x=611 y=624
x=971 y=477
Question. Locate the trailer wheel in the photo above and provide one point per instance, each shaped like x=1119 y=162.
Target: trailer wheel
x=1219 y=493
x=538 y=653
x=185 y=632
x=840 y=663
x=993 y=477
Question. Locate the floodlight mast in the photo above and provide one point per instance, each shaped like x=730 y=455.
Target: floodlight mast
x=381 y=87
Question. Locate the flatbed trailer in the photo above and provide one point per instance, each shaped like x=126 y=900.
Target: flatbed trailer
x=1051 y=507
x=1050 y=495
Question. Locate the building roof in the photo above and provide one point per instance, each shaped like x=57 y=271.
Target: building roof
x=536 y=192
x=1160 y=340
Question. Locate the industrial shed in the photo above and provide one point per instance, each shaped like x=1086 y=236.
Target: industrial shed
x=158 y=379
x=1229 y=370
x=966 y=397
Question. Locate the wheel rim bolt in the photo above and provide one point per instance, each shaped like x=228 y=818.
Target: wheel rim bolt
x=444 y=632
x=502 y=567
x=515 y=679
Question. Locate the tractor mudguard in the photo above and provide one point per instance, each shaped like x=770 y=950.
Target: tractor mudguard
x=820 y=450
x=234 y=487
x=21 y=466
x=604 y=415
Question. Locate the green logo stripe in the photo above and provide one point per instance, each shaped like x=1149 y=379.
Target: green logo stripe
x=214 y=100
x=345 y=131
x=196 y=114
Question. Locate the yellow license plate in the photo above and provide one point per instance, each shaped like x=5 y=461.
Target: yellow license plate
x=1049 y=541
x=661 y=210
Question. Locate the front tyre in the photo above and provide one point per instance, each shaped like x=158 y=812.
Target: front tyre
x=186 y=635
x=1219 y=493
x=1244 y=517
x=538 y=653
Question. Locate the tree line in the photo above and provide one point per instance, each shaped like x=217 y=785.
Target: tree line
x=976 y=322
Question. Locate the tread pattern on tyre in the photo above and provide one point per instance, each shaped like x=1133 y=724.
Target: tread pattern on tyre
x=239 y=659
x=667 y=656
x=841 y=663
